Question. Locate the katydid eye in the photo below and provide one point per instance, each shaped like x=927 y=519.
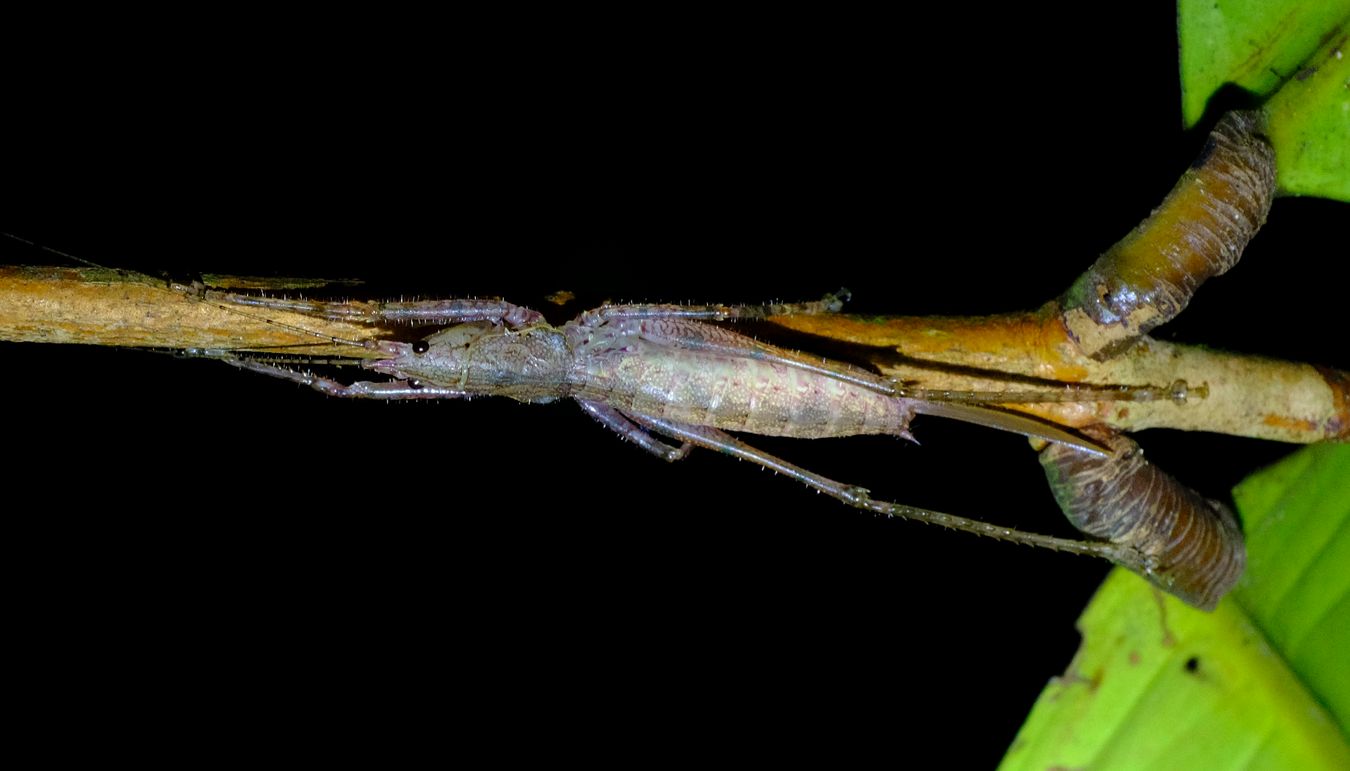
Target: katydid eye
x=421 y=346
x=414 y=384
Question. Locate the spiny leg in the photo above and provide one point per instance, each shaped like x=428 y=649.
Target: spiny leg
x=364 y=389
x=859 y=497
x=407 y=312
x=615 y=421
x=830 y=303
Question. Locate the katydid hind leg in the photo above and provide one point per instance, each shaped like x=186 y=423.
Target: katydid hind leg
x=860 y=498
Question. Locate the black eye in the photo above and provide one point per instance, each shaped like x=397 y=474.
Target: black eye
x=414 y=384
x=421 y=346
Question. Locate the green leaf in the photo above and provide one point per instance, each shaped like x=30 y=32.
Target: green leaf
x=1297 y=519
x=1293 y=52
x=1263 y=682
x=1309 y=123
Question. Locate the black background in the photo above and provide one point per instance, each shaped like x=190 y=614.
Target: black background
x=515 y=567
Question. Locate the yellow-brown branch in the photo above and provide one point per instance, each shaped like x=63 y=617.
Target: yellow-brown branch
x=106 y=307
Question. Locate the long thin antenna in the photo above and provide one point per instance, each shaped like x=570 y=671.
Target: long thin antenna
x=45 y=248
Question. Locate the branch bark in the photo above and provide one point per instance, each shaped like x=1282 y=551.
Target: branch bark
x=108 y=307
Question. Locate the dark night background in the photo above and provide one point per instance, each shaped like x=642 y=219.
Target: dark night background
x=513 y=572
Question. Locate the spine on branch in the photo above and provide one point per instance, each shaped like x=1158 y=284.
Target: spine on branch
x=1199 y=231
x=1191 y=547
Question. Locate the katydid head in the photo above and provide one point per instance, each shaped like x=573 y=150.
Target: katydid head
x=431 y=358
x=482 y=357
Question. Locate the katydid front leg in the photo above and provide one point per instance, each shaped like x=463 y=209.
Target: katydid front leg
x=410 y=312
x=363 y=389
x=830 y=303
